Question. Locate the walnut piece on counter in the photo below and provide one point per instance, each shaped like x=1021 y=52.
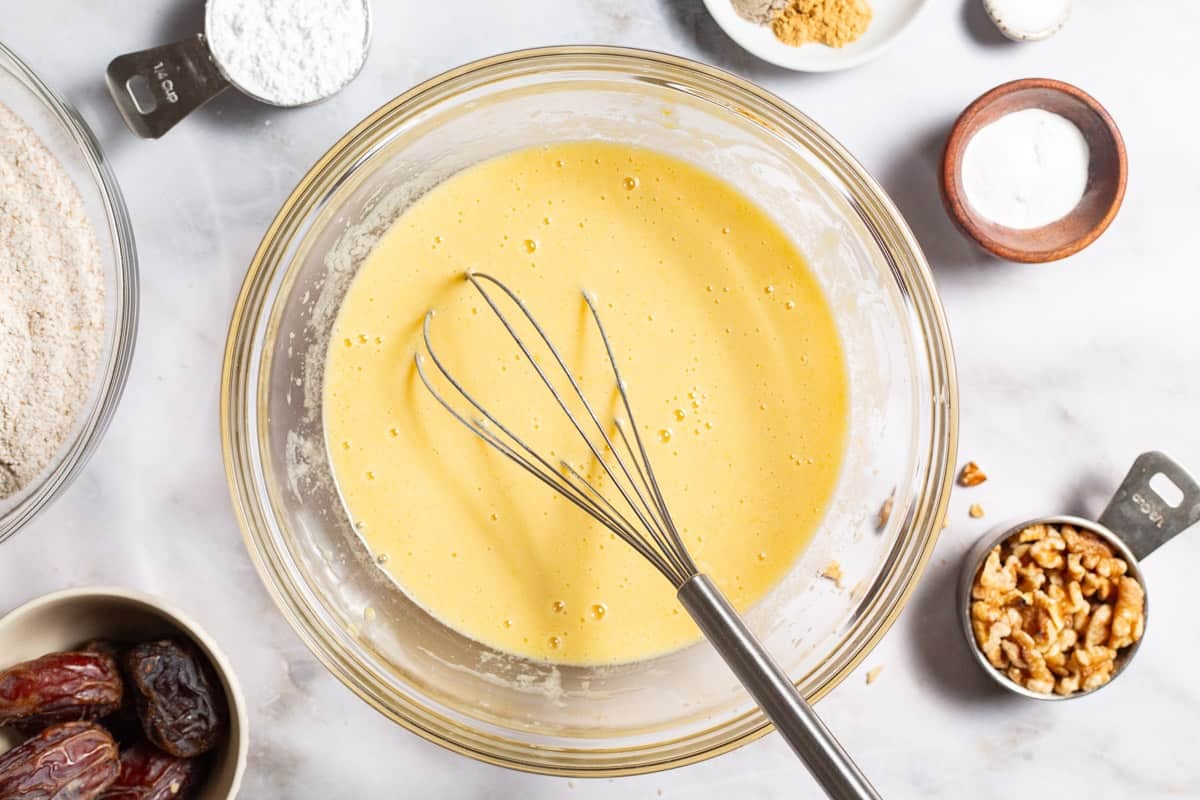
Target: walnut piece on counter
x=976 y=511
x=873 y=674
x=971 y=475
x=885 y=512
x=833 y=571
x=1052 y=607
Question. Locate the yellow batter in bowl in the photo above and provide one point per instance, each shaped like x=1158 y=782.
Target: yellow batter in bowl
x=729 y=347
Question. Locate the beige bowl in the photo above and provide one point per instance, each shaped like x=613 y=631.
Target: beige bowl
x=66 y=619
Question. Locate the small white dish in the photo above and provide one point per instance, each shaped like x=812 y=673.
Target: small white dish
x=891 y=18
x=1028 y=20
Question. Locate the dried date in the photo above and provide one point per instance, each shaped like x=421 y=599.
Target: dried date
x=105 y=646
x=123 y=723
x=179 y=700
x=70 y=761
x=148 y=773
x=59 y=687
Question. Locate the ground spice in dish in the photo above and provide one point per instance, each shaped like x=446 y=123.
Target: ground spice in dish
x=760 y=12
x=835 y=23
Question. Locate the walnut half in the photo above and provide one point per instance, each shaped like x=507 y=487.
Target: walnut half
x=971 y=475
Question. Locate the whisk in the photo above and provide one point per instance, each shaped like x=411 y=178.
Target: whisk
x=634 y=509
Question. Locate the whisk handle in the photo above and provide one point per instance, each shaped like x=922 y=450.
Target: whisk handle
x=794 y=718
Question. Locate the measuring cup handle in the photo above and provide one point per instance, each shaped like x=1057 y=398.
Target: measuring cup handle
x=154 y=89
x=1140 y=516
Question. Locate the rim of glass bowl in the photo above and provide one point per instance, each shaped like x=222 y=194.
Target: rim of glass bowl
x=244 y=351
x=120 y=338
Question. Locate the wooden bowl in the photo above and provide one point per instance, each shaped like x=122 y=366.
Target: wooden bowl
x=67 y=619
x=1107 y=171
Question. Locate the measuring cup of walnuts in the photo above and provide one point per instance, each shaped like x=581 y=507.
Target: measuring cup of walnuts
x=1056 y=607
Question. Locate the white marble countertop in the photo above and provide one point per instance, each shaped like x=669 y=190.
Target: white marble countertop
x=1068 y=371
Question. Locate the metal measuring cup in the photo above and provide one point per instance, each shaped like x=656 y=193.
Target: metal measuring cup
x=1137 y=522
x=156 y=88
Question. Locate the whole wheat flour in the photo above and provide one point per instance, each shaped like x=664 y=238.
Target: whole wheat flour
x=51 y=305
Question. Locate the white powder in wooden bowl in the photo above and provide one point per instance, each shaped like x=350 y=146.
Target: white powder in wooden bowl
x=51 y=305
x=1027 y=169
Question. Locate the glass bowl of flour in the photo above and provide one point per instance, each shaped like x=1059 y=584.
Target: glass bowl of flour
x=68 y=294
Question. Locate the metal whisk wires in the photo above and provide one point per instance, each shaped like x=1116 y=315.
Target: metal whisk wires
x=634 y=509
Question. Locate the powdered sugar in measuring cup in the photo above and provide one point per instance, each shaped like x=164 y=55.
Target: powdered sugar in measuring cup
x=280 y=52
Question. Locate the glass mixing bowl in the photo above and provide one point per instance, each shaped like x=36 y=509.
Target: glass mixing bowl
x=630 y=718
x=70 y=140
